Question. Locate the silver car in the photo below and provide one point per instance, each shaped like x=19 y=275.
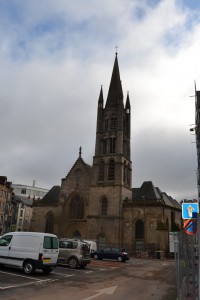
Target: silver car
x=75 y=253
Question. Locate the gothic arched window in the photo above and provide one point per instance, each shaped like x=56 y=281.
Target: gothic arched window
x=104 y=206
x=125 y=173
x=113 y=122
x=128 y=175
x=49 y=222
x=112 y=145
x=104 y=146
x=76 y=208
x=106 y=124
x=111 y=170
x=139 y=230
x=101 y=170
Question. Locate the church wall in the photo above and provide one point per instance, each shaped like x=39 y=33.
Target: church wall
x=38 y=221
x=150 y=216
x=107 y=226
x=115 y=196
x=76 y=183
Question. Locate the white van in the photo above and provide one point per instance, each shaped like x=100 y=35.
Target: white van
x=29 y=251
x=93 y=245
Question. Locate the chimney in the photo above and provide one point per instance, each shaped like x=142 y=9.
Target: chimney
x=34 y=182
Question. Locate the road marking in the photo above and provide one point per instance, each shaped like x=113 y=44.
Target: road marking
x=65 y=275
x=19 y=275
x=108 y=291
x=63 y=267
x=25 y=284
x=87 y=272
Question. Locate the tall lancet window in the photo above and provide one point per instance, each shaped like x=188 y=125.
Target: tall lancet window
x=111 y=170
x=125 y=173
x=113 y=122
x=106 y=124
x=104 y=146
x=101 y=170
x=104 y=206
x=112 y=145
x=76 y=208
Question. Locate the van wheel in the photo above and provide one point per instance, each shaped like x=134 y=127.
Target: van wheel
x=29 y=267
x=96 y=256
x=73 y=263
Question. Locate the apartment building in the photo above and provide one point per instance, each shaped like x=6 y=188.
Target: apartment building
x=7 y=205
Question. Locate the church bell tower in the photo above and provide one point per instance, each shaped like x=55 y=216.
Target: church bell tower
x=111 y=181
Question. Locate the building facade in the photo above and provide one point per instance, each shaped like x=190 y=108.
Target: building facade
x=98 y=201
x=8 y=206
x=31 y=192
x=24 y=214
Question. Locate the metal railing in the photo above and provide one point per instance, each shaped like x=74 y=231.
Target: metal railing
x=187 y=265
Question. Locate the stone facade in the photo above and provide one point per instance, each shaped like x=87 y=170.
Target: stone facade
x=98 y=202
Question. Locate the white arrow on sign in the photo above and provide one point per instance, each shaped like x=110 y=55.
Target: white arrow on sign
x=108 y=291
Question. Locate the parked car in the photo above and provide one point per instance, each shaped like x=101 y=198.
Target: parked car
x=92 y=244
x=74 y=253
x=119 y=254
x=29 y=251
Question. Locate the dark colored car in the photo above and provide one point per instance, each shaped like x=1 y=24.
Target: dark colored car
x=119 y=254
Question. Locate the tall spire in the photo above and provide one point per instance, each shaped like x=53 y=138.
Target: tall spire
x=128 y=101
x=100 y=102
x=115 y=93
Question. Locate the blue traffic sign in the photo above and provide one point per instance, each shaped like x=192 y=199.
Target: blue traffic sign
x=190 y=210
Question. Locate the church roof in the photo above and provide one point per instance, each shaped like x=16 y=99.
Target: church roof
x=24 y=200
x=79 y=161
x=148 y=194
x=115 y=93
x=50 y=199
x=149 y=191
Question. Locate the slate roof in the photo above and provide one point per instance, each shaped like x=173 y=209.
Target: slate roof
x=151 y=195
x=50 y=199
x=24 y=200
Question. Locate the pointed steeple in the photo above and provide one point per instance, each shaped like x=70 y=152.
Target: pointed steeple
x=100 y=102
x=115 y=93
x=127 y=102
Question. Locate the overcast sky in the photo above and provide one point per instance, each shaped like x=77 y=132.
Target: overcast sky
x=54 y=57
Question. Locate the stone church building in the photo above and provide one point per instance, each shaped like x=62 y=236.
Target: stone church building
x=98 y=202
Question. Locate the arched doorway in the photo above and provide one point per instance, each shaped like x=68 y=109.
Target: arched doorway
x=101 y=241
x=139 y=236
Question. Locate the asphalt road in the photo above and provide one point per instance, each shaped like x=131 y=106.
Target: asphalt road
x=137 y=279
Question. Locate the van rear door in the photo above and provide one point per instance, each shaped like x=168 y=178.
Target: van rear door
x=85 y=250
x=50 y=250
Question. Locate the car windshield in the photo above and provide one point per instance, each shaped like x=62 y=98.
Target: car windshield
x=5 y=240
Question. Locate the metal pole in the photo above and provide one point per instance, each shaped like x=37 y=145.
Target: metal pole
x=176 y=248
x=198 y=228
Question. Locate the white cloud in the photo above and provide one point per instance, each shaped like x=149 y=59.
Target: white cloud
x=54 y=57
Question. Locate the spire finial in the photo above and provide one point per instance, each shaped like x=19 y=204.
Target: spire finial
x=116 y=47
x=80 y=150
